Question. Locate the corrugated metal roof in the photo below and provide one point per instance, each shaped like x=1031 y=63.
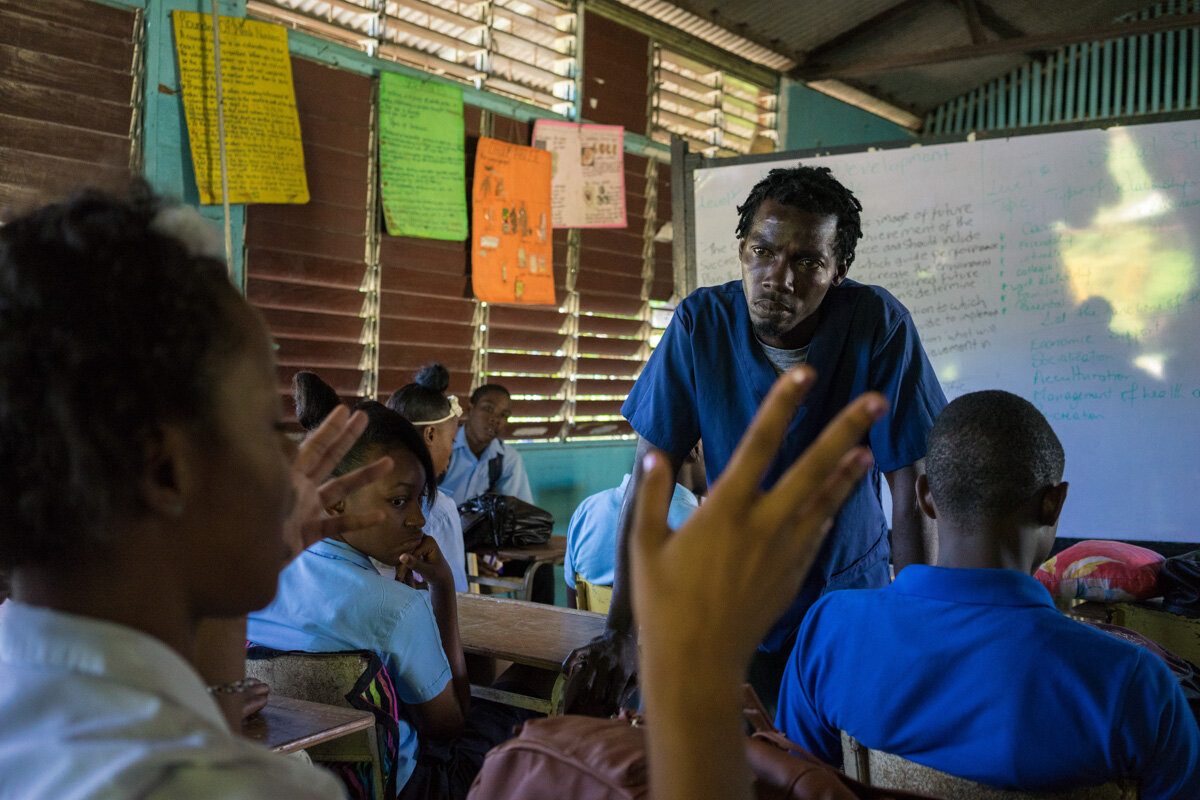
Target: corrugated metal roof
x=710 y=32
x=779 y=33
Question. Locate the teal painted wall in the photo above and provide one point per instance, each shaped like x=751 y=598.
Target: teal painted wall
x=168 y=160
x=812 y=119
x=562 y=474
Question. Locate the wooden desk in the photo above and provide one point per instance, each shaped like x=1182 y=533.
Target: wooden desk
x=287 y=725
x=549 y=554
x=534 y=634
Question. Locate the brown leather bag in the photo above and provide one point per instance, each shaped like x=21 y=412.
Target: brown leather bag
x=587 y=758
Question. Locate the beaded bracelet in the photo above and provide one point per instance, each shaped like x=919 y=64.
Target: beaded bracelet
x=232 y=687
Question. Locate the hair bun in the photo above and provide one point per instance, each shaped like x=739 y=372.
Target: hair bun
x=434 y=376
x=315 y=399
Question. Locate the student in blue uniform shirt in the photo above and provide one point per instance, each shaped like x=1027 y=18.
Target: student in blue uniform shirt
x=435 y=416
x=482 y=462
x=967 y=667
x=592 y=532
x=716 y=362
x=333 y=598
x=148 y=485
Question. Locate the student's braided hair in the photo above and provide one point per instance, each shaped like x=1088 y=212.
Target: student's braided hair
x=386 y=430
x=115 y=314
x=812 y=189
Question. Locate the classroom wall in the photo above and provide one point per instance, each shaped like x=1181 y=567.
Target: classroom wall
x=168 y=160
x=810 y=119
x=562 y=474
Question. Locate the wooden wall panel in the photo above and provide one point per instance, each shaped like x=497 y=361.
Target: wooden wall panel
x=66 y=85
x=305 y=263
x=616 y=73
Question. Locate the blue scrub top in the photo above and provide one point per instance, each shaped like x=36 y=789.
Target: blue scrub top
x=708 y=376
x=974 y=672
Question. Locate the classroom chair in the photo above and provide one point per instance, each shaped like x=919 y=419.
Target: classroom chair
x=336 y=679
x=877 y=768
x=592 y=596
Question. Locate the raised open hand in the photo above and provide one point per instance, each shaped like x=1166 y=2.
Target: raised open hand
x=317 y=456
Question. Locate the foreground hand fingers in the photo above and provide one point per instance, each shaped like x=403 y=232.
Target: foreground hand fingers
x=340 y=523
x=813 y=521
x=795 y=489
x=761 y=441
x=339 y=488
x=654 y=490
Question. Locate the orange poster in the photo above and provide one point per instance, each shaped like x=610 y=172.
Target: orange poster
x=510 y=225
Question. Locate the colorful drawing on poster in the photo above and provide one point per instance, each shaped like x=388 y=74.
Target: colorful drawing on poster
x=511 y=250
x=262 y=129
x=588 y=173
x=422 y=171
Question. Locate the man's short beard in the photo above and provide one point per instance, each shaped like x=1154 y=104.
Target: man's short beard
x=769 y=329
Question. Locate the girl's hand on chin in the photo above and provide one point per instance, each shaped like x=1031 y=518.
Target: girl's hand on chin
x=427 y=561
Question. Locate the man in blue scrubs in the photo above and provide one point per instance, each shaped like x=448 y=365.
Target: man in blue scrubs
x=716 y=362
x=967 y=667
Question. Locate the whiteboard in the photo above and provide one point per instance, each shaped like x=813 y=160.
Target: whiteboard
x=1062 y=267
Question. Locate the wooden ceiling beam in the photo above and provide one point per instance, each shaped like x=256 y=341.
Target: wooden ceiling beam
x=974 y=23
x=1168 y=22
x=996 y=23
x=863 y=28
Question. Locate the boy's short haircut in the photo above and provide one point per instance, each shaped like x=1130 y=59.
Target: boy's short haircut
x=989 y=453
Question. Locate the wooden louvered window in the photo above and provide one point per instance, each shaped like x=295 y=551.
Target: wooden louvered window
x=526 y=348
x=69 y=112
x=308 y=267
x=717 y=113
x=426 y=309
x=523 y=49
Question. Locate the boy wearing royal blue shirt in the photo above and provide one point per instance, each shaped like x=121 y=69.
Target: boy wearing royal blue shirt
x=967 y=667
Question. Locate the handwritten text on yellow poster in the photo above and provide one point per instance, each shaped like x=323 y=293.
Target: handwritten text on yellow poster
x=262 y=128
x=510 y=225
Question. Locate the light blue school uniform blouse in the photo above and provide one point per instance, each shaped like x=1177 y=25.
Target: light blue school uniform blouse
x=332 y=598
x=592 y=534
x=468 y=475
x=443 y=523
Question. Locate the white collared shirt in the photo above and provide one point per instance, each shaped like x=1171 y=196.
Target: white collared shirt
x=92 y=709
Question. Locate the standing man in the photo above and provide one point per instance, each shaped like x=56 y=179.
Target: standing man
x=715 y=364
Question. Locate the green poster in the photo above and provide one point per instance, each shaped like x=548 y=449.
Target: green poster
x=422 y=173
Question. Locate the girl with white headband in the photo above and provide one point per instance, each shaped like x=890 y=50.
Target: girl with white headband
x=435 y=416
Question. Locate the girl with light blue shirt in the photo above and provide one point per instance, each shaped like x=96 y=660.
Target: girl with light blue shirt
x=435 y=416
x=333 y=598
x=148 y=484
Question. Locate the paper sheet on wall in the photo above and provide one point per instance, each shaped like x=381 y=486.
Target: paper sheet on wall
x=588 y=172
x=262 y=128
x=422 y=171
x=510 y=223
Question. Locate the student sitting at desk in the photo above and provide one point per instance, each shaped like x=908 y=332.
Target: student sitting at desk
x=967 y=667
x=592 y=532
x=333 y=598
x=147 y=484
x=435 y=416
x=482 y=462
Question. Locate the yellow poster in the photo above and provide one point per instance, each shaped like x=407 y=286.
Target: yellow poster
x=510 y=225
x=262 y=129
